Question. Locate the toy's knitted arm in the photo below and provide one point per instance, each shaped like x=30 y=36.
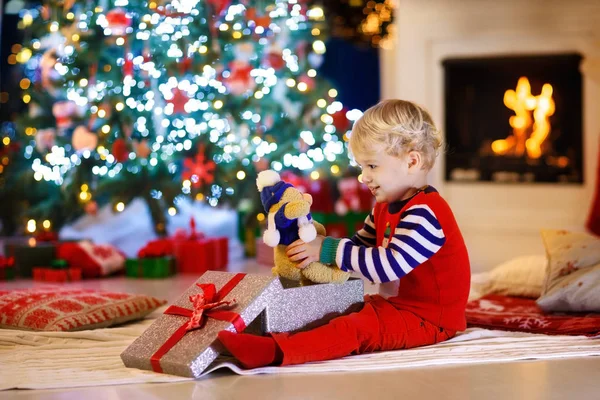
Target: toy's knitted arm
x=417 y=237
x=366 y=236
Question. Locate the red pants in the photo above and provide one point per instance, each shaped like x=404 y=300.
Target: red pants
x=378 y=326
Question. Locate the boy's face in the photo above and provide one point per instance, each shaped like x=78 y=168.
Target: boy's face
x=389 y=178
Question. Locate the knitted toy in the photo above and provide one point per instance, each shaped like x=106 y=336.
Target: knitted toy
x=289 y=219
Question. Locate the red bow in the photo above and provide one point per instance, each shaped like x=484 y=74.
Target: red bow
x=204 y=306
x=202 y=302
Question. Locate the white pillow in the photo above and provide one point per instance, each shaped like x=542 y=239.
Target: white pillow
x=521 y=276
x=573 y=275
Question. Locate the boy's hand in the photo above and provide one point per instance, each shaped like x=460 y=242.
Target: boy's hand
x=305 y=252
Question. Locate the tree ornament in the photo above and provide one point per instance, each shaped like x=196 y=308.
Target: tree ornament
x=63 y=112
x=219 y=5
x=179 y=100
x=118 y=21
x=120 y=151
x=239 y=80
x=141 y=148
x=91 y=208
x=310 y=82
x=274 y=59
x=340 y=121
x=199 y=170
x=260 y=20
x=83 y=139
x=45 y=139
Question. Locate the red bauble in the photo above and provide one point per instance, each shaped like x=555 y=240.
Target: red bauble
x=340 y=121
x=118 y=21
x=275 y=60
x=120 y=151
x=239 y=80
x=91 y=208
x=128 y=68
x=219 y=5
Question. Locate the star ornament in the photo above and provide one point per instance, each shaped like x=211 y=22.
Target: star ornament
x=199 y=170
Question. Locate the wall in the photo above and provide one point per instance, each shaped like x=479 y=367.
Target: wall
x=499 y=221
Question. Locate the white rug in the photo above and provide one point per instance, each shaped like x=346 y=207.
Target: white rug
x=49 y=360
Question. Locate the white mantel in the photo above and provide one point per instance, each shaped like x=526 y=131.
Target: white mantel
x=499 y=221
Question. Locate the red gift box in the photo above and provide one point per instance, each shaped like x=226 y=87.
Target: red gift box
x=200 y=255
x=337 y=230
x=56 y=275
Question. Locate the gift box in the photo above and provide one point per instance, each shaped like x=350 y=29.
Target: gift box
x=29 y=255
x=7 y=268
x=195 y=256
x=184 y=342
x=264 y=254
x=152 y=268
x=44 y=274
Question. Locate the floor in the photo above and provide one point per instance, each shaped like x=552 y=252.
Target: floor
x=531 y=380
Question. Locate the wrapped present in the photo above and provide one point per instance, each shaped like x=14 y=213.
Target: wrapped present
x=29 y=255
x=184 y=342
x=264 y=254
x=152 y=267
x=194 y=253
x=7 y=268
x=337 y=230
x=94 y=260
x=44 y=274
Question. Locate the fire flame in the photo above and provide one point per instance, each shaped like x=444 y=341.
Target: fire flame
x=522 y=102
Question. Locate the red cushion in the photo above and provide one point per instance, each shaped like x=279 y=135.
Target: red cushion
x=521 y=314
x=54 y=308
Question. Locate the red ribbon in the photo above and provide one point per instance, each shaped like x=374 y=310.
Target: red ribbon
x=204 y=304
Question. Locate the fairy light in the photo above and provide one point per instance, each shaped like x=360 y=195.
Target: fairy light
x=46 y=224
x=172 y=211
x=315 y=175
x=31 y=226
x=332 y=93
x=241 y=175
x=260 y=217
x=120 y=206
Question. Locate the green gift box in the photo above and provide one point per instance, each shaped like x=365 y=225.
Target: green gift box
x=59 y=263
x=152 y=267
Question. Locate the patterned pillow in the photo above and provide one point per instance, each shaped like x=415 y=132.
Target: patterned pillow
x=573 y=272
x=58 y=309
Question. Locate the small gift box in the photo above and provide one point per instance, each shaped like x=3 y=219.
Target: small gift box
x=7 y=268
x=195 y=253
x=264 y=254
x=44 y=274
x=184 y=342
x=151 y=268
x=29 y=255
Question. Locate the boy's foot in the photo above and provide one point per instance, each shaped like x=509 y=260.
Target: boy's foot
x=251 y=351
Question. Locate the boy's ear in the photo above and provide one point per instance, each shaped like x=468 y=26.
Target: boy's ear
x=415 y=161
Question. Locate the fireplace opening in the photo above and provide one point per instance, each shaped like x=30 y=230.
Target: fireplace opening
x=514 y=119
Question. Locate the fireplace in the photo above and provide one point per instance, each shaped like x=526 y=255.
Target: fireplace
x=514 y=119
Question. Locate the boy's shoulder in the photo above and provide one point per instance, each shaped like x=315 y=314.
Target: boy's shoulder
x=431 y=198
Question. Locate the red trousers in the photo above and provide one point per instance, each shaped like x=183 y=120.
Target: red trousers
x=378 y=326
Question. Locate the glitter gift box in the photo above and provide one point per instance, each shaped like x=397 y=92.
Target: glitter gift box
x=184 y=342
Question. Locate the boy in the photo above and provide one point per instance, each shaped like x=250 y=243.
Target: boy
x=410 y=243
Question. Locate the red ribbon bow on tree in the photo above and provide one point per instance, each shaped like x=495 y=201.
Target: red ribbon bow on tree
x=204 y=306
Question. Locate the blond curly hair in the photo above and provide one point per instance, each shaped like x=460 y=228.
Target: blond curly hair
x=397 y=127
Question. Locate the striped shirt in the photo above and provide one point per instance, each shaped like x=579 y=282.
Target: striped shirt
x=417 y=236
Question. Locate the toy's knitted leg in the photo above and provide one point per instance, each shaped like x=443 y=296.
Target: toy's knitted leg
x=252 y=351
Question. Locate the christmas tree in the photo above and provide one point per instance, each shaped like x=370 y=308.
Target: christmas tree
x=161 y=100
